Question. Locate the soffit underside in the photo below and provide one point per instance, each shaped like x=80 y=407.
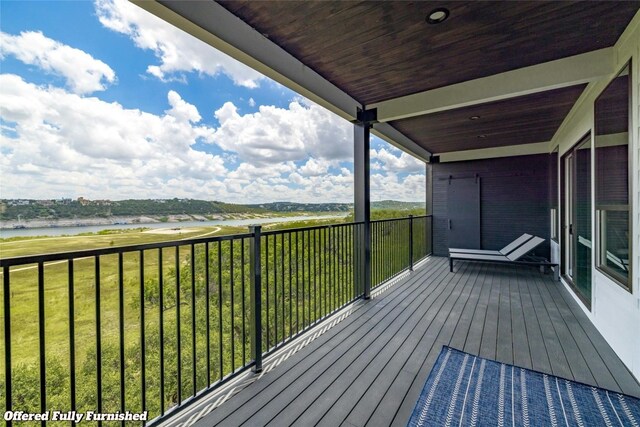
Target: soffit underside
x=521 y=120
x=376 y=51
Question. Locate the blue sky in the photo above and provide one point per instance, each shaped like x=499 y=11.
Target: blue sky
x=104 y=100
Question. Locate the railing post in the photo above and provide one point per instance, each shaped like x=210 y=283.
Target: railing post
x=256 y=297
x=410 y=242
x=7 y=339
x=366 y=254
x=430 y=228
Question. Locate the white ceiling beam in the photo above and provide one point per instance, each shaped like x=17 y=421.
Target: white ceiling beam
x=557 y=74
x=495 y=152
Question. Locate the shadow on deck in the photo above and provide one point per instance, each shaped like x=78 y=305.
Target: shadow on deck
x=370 y=367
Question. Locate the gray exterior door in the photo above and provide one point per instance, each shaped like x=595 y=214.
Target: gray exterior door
x=463 y=213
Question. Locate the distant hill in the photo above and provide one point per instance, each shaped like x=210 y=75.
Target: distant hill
x=396 y=205
x=26 y=209
x=82 y=208
x=336 y=207
x=304 y=207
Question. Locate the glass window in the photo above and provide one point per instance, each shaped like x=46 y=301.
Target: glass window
x=612 y=178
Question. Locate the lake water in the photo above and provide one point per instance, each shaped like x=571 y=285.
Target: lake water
x=70 y=231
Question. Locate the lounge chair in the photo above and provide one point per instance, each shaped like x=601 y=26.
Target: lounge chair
x=512 y=257
x=504 y=251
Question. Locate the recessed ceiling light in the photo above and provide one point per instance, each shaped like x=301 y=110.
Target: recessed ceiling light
x=437 y=15
x=482 y=136
x=474 y=117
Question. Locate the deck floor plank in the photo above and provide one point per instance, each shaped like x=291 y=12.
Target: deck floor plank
x=320 y=392
x=245 y=403
x=385 y=410
x=443 y=337
x=538 y=347
x=489 y=338
x=369 y=368
x=504 y=344
x=620 y=372
x=521 y=347
x=459 y=337
x=379 y=315
x=559 y=365
x=595 y=363
x=347 y=392
x=575 y=347
x=473 y=340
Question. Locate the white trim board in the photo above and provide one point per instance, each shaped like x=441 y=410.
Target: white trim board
x=556 y=74
x=495 y=152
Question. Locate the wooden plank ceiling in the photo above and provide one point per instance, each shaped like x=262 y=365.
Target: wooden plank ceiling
x=376 y=51
x=522 y=120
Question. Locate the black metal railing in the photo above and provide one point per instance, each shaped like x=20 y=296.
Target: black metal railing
x=396 y=244
x=307 y=274
x=149 y=326
x=153 y=327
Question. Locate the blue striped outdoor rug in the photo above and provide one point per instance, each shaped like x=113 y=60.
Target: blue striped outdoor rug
x=466 y=390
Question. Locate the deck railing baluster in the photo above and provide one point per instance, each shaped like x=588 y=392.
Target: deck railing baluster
x=193 y=319
x=143 y=359
x=207 y=308
x=256 y=297
x=121 y=330
x=161 y=326
x=178 y=336
x=6 y=281
x=43 y=355
x=233 y=328
x=220 y=330
x=72 y=333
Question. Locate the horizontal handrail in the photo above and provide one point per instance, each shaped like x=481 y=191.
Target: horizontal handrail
x=59 y=256
x=405 y=218
x=310 y=228
x=62 y=256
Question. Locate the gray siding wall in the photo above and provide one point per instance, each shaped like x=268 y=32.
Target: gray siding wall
x=514 y=198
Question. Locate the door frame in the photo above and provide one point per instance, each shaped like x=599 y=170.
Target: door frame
x=568 y=263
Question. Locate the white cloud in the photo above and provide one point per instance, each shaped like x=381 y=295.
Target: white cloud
x=182 y=110
x=58 y=144
x=315 y=167
x=252 y=102
x=393 y=187
x=384 y=159
x=83 y=73
x=85 y=146
x=273 y=134
x=177 y=51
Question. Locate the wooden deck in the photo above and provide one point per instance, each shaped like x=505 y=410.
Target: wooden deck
x=370 y=368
